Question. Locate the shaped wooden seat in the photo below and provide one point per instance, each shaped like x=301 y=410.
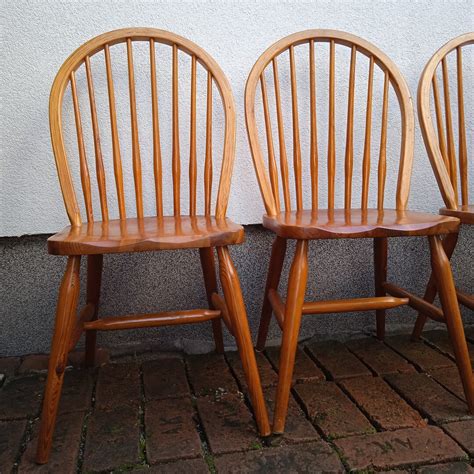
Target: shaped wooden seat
x=149 y=233
x=298 y=205
x=465 y=213
x=96 y=231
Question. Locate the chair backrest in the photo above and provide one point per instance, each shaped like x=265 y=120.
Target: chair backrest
x=311 y=44
x=441 y=146
x=212 y=76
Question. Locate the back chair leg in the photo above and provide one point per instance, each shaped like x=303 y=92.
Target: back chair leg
x=209 y=271
x=273 y=279
x=235 y=305
x=447 y=293
x=64 y=325
x=449 y=244
x=380 y=277
x=94 y=281
x=291 y=329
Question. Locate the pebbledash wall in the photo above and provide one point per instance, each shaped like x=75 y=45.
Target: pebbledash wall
x=36 y=39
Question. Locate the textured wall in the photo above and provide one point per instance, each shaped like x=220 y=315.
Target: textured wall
x=38 y=36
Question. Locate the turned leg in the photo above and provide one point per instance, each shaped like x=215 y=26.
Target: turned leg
x=209 y=271
x=235 y=305
x=449 y=302
x=273 y=279
x=64 y=325
x=380 y=277
x=291 y=329
x=94 y=280
x=449 y=244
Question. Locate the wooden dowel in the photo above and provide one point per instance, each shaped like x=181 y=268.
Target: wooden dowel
x=192 y=142
x=313 y=128
x=136 y=161
x=219 y=304
x=84 y=169
x=353 y=305
x=382 y=168
x=176 y=165
x=462 y=130
x=439 y=122
x=349 y=158
x=367 y=141
x=331 y=127
x=208 y=158
x=157 y=166
x=115 y=138
x=277 y=306
x=85 y=315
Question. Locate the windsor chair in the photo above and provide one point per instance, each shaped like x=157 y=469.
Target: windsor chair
x=441 y=150
x=136 y=232
x=315 y=222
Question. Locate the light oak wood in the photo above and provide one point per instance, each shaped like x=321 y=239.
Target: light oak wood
x=349 y=158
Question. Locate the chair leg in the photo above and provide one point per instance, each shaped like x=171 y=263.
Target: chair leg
x=449 y=244
x=449 y=302
x=291 y=329
x=380 y=276
x=236 y=307
x=209 y=271
x=273 y=279
x=64 y=325
x=94 y=281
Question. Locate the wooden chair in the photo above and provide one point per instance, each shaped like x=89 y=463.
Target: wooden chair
x=441 y=149
x=135 y=233
x=316 y=222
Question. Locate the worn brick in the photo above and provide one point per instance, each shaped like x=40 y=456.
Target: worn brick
x=418 y=353
x=458 y=467
x=191 y=466
x=228 y=424
x=429 y=397
x=34 y=363
x=209 y=373
x=381 y=404
x=337 y=360
x=331 y=410
x=449 y=378
x=380 y=358
x=11 y=434
x=9 y=365
x=390 y=449
x=77 y=391
x=77 y=358
x=165 y=378
x=170 y=430
x=117 y=385
x=268 y=377
x=21 y=397
x=112 y=439
x=305 y=369
x=304 y=458
x=65 y=448
x=440 y=339
x=463 y=433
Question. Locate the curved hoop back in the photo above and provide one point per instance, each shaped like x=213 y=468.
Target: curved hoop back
x=441 y=146
x=67 y=77
x=269 y=182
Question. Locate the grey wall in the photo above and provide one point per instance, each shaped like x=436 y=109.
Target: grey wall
x=172 y=280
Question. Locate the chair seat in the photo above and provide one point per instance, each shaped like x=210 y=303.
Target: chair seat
x=355 y=223
x=149 y=233
x=464 y=213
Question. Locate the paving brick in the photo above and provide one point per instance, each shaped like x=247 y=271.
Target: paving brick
x=383 y=406
x=228 y=424
x=469 y=331
x=165 y=378
x=118 y=385
x=170 y=430
x=463 y=433
x=449 y=378
x=418 y=353
x=380 y=358
x=402 y=448
x=77 y=391
x=305 y=458
x=102 y=357
x=112 y=439
x=337 y=360
x=11 y=434
x=209 y=373
x=429 y=397
x=191 y=466
x=21 y=397
x=9 y=365
x=34 y=363
x=451 y=468
x=305 y=369
x=331 y=410
x=268 y=377
x=440 y=339
x=65 y=448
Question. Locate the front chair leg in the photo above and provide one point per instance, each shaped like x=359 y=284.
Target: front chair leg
x=273 y=279
x=236 y=307
x=206 y=255
x=380 y=277
x=94 y=280
x=63 y=328
x=449 y=243
x=291 y=330
x=449 y=302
